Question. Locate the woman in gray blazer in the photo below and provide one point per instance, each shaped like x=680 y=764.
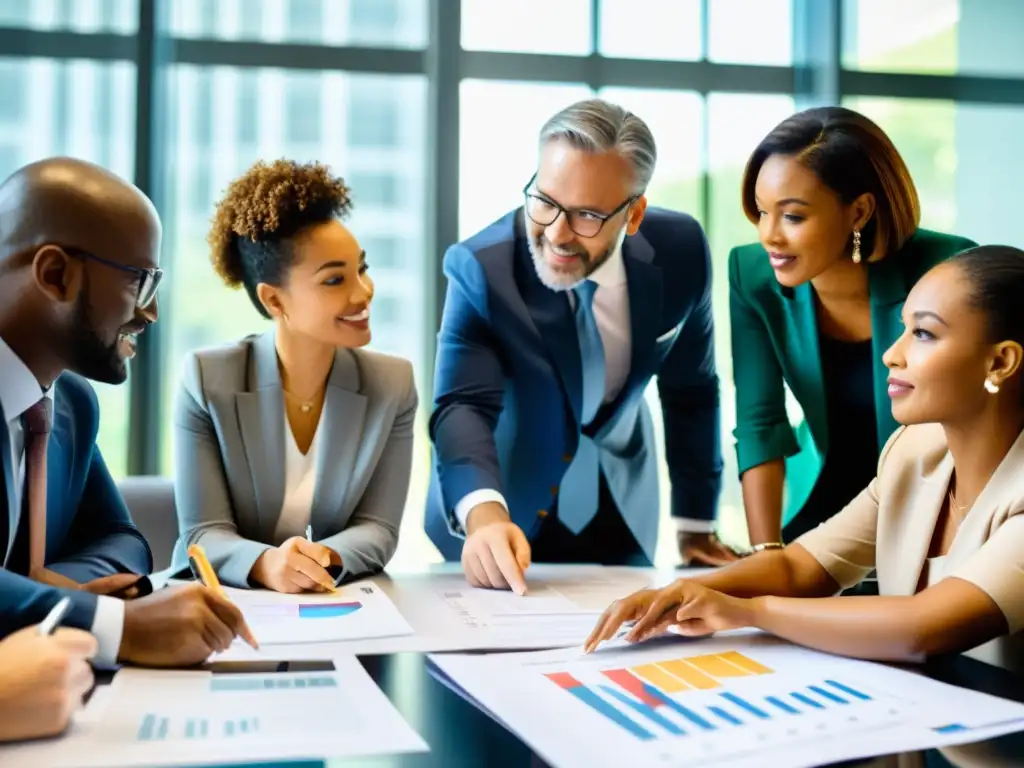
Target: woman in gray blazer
x=295 y=431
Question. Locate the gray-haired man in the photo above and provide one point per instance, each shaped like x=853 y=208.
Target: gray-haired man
x=557 y=317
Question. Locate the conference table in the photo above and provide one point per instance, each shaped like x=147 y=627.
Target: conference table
x=459 y=734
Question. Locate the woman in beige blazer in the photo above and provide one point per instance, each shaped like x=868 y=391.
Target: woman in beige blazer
x=293 y=448
x=941 y=522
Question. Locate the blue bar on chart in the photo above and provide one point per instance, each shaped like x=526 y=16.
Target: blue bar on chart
x=828 y=694
x=744 y=704
x=780 y=704
x=259 y=683
x=161 y=729
x=848 y=690
x=690 y=715
x=229 y=728
x=725 y=715
x=196 y=729
x=646 y=710
x=147 y=728
x=571 y=685
x=807 y=700
x=653 y=696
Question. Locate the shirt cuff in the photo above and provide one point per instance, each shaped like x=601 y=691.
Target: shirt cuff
x=107 y=628
x=470 y=500
x=685 y=525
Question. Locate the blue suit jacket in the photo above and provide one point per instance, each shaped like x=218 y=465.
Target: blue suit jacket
x=508 y=382
x=89 y=532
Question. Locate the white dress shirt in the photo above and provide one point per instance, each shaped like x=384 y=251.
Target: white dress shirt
x=299 y=486
x=611 y=312
x=19 y=391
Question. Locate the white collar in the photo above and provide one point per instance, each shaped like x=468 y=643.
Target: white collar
x=19 y=388
x=612 y=272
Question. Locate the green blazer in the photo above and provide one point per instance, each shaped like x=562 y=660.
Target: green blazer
x=775 y=341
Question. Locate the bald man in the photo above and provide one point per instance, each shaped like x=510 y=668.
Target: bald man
x=79 y=253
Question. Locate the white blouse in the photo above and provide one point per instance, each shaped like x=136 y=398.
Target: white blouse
x=299 y=486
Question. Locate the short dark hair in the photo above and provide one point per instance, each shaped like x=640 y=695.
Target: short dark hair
x=851 y=155
x=262 y=211
x=996 y=276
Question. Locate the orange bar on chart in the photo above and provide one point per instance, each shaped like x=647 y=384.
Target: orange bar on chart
x=689 y=674
x=718 y=666
x=746 y=662
x=657 y=676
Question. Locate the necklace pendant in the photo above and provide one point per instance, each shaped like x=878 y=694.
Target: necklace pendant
x=305 y=407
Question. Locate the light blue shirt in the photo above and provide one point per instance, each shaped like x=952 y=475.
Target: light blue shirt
x=19 y=391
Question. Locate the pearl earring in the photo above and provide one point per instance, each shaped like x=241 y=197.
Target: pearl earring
x=991 y=387
x=856 y=246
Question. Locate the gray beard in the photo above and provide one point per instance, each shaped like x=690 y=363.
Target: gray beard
x=561 y=280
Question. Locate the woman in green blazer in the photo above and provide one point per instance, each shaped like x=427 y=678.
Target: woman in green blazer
x=813 y=306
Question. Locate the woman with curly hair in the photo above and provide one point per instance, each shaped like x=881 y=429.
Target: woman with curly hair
x=293 y=447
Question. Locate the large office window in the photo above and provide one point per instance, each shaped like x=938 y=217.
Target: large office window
x=358 y=84
x=84 y=109
x=376 y=23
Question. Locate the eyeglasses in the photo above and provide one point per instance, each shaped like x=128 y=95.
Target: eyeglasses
x=544 y=211
x=149 y=279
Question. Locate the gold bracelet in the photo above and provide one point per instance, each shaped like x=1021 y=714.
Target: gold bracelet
x=767 y=545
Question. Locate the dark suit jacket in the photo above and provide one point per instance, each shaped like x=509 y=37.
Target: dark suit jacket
x=89 y=532
x=775 y=341
x=508 y=381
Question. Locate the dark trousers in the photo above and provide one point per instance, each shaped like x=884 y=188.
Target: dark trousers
x=606 y=540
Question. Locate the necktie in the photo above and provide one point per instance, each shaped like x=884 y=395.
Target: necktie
x=577 y=498
x=36 y=421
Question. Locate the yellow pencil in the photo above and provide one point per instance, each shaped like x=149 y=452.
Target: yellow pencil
x=209 y=579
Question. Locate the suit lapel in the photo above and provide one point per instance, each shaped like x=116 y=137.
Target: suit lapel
x=552 y=316
x=643 y=283
x=339 y=436
x=802 y=339
x=261 y=419
x=9 y=486
x=919 y=527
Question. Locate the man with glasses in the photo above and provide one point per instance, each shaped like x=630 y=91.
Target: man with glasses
x=556 y=318
x=79 y=249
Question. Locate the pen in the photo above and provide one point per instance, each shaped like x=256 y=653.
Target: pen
x=55 y=617
x=205 y=573
x=309 y=537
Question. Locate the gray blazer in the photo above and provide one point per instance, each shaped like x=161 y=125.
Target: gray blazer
x=229 y=456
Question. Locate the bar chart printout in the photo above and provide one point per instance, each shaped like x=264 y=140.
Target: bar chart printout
x=725 y=706
x=241 y=714
x=353 y=612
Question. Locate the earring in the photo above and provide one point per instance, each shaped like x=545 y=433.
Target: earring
x=991 y=387
x=856 y=246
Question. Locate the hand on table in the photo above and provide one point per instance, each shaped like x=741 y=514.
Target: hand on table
x=703 y=549
x=496 y=552
x=298 y=565
x=121 y=585
x=43 y=681
x=693 y=609
x=179 y=627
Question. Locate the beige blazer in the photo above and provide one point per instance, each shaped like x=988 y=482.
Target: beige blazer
x=889 y=526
